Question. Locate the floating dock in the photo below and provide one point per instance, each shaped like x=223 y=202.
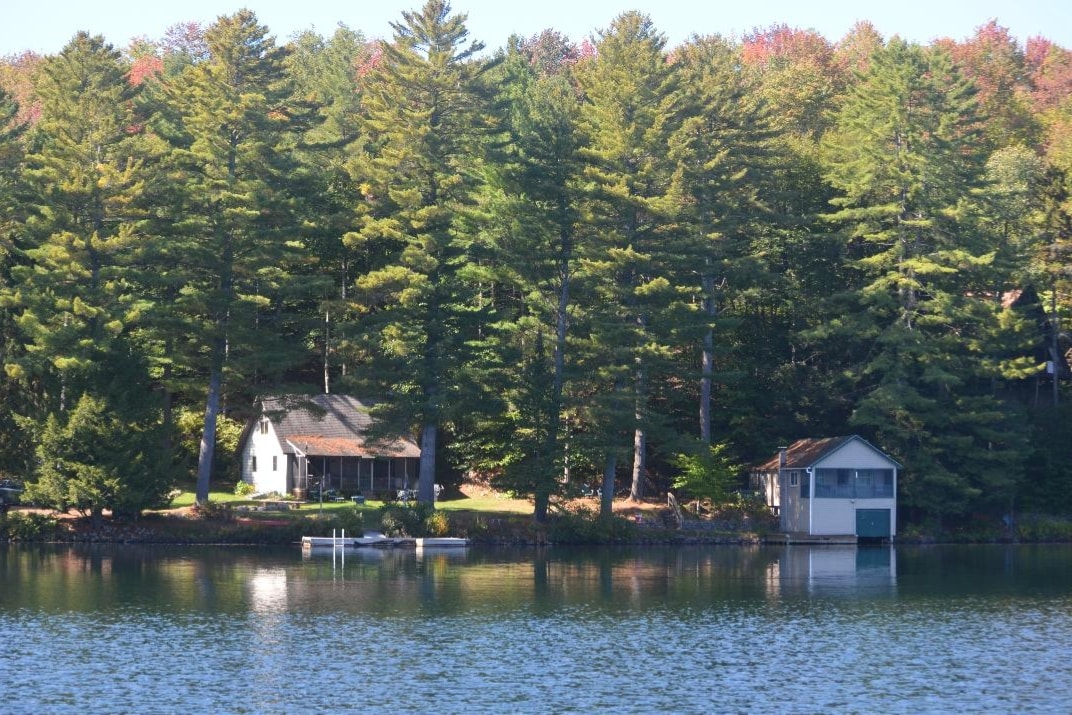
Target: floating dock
x=376 y=540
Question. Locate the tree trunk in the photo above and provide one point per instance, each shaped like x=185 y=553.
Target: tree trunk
x=640 y=462
x=426 y=478
x=208 y=433
x=640 y=436
x=606 y=495
x=707 y=365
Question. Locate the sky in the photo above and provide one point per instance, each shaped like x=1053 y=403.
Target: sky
x=45 y=26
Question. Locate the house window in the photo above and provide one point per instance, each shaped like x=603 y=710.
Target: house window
x=254 y=458
x=275 y=463
x=854 y=483
x=794 y=479
x=874 y=484
x=264 y=426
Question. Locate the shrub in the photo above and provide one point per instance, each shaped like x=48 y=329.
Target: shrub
x=27 y=527
x=401 y=520
x=244 y=489
x=351 y=520
x=437 y=524
x=1044 y=529
x=583 y=526
x=214 y=510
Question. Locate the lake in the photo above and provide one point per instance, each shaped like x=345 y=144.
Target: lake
x=716 y=629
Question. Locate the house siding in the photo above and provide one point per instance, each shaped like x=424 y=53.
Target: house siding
x=266 y=447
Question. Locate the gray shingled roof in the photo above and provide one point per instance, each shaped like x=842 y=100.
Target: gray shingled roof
x=336 y=426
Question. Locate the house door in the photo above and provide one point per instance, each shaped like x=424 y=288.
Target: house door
x=873 y=523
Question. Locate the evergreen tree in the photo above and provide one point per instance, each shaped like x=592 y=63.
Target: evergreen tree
x=228 y=250
x=91 y=459
x=529 y=251
x=84 y=174
x=424 y=120
x=722 y=151
x=327 y=72
x=630 y=112
x=15 y=395
x=905 y=155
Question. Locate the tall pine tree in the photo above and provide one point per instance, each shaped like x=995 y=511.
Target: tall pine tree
x=423 y=117
x=228 y=249
x=905 y=155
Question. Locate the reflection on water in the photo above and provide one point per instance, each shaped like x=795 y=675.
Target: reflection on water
x=698 y=629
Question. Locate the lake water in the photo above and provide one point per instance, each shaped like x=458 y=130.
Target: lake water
x=124 y=629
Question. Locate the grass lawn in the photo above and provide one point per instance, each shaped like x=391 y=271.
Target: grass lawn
x=463 y=507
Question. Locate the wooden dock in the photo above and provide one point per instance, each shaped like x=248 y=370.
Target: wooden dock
x=810 y=539
x=375 y=540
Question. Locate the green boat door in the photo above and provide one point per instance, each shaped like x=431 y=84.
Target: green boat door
x=873 y=523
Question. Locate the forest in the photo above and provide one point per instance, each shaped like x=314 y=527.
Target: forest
x=557 y=264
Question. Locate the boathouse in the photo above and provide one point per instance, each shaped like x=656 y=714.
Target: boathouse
x=298 y=444
x=831 y=487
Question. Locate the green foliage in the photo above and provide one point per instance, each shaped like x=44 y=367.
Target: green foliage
x=95 y=460
x=584 y=526
x=27 y=527
x=415 y=520
x=538 y=259
x=244 y=489
x=710 y=474
x=1036 y=529
x=437 y=524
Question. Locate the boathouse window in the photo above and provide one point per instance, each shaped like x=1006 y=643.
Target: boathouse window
x=854 y=483
x=805 y=485
x=275 y=463
x=794 y=479
x=254 y=458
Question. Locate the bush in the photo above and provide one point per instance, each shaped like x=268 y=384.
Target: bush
x=244 y=489
x=350 y=520
x=584 y=526
x=416 y=520
x=1044 y=529
x=220 y=511
x=27 y=527
x=437 y=524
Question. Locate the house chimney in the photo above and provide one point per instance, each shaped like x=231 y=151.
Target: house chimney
x=783 y=457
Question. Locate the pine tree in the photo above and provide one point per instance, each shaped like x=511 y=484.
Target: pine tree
x=85 y=176
x=905 y=155
x=228 y=249
x=15 y=395
x=528 y=250
x=722 y=151
x=424 y=120
x=629 y=115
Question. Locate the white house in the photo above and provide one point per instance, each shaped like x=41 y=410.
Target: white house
x=834 y=486
x=298 y=443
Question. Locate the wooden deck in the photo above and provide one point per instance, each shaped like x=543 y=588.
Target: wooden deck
x=812 y=539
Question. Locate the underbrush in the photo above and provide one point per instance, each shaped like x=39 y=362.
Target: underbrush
x=581 y=525
x=417 y=520
x=27 y=527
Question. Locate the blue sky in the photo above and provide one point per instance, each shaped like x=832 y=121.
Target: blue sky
x=46 y=25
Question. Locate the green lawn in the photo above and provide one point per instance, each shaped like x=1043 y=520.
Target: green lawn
x=490 y=504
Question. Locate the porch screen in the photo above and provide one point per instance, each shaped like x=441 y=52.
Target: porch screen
x=854 y=483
